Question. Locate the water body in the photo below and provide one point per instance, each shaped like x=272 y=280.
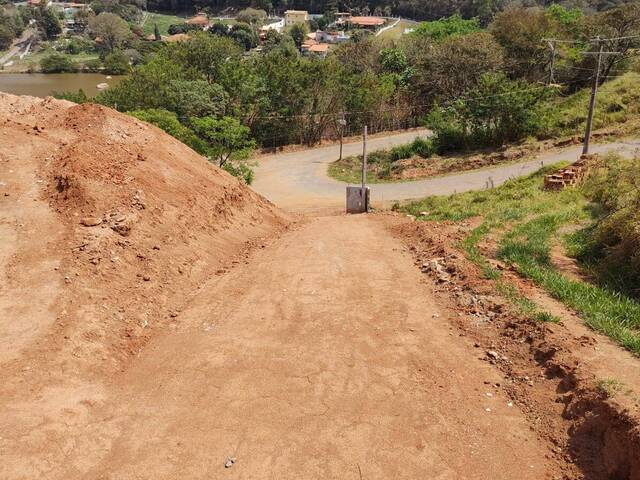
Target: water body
x=44 y=84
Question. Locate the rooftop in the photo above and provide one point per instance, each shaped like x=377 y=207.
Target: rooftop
x=198 y=20
x=367 y=21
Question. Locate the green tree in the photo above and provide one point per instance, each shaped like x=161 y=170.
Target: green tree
x=453 y=66
x=521 y=31
x=112 y=31
x=48 y=22
x=496 y=111
x=117 y=63
x=196 y=98
x=227 y=139
x=168 y=121
x=447 y=27
x=206 y=54
x=252 y=16
x=58 y=63
x=298 y=32
x=229 y=144
x=6 y=37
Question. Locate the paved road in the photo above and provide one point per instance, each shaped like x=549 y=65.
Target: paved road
x=299 y=181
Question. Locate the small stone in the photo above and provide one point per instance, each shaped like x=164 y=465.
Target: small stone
x=493 y=354
x=91 y=221
x=230 y=461
x=146 y=278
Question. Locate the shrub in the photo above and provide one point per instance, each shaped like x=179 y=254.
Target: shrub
x=57 y=63
x=496 y=112
x=76 y=97
x=117 y=63
x=614 y=247
x=168 y=121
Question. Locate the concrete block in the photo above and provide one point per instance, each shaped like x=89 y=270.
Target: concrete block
x=356 y=202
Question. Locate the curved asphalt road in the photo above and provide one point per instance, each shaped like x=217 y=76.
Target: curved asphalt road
x=299 y=181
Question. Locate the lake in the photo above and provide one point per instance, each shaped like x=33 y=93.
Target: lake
x=43 y=84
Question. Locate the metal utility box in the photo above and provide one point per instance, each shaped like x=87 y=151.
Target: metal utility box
x=356 y=201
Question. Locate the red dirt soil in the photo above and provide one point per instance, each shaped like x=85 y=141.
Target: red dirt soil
x=159 y=319
x=108 y=226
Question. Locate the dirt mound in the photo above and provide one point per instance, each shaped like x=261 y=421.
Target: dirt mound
x=111 y=226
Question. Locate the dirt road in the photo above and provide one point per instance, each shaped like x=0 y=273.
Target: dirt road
x=324 y=357
x=299 y=180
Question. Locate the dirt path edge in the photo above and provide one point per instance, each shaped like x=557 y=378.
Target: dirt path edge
x=584 y=425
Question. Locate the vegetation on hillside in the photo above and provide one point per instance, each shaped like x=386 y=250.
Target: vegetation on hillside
x=526 y=221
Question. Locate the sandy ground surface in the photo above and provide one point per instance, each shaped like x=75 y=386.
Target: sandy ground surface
x=325 y=357
x=299 y=181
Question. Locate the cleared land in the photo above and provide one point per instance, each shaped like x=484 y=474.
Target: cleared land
x=158 y=319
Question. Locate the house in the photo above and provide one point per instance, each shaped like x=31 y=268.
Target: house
x=370 y=23
x=328 y=37
x=277 y=26
x=199 y=20
x=291 y=17
x=321 y=49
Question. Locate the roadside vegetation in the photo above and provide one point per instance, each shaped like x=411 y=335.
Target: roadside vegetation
x=545 y=115
x=525 y=222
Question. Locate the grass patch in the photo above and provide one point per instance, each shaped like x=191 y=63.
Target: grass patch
x=381 y=164
x=534 y=217
x=618 y=103
x=163 y=21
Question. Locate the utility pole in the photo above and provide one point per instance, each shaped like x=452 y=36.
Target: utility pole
x=364 y=161
x=592 y=101
x=552 y=46
x=342 y=122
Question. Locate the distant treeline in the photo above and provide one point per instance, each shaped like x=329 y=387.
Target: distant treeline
x=415 y=9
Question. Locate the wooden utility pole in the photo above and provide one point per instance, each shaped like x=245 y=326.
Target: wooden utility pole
x=364 y=161
x=552 y=64
x=342 y=122
x=592 y=101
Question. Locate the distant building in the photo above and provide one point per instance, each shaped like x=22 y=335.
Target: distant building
x=199 y=20
x=291 y=17
x=277 y=26
x=328 y=37
x=366 y=22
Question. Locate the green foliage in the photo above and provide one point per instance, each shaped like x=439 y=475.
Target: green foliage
x=57 y=63
x=196 y=98
x=496 y=112
x=116 y=63
x=452 y=26
x=419 y=147
x=168 y=121
x=77 y=97
x=613 y=247
x=123 y=9
x=112 y=31
x=531 y=218
x=298 y=32
x=77 y=44
x=6 y=37
x=227 y=139
x=252 y=16
x=48 y=22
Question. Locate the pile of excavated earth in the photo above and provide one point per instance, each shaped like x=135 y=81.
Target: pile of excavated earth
x=159 y=319
x=108 y=227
